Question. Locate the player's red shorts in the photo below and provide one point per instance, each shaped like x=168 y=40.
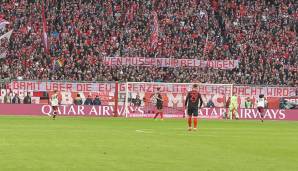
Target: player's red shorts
x=260 y=109
x=55 y=108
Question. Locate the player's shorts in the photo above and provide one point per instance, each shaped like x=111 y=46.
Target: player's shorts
x=233 y=107
x=55 y=108
x=260 y=109
x=159 y=106
x=192 y=111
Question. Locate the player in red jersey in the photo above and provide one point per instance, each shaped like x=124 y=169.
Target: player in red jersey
x=158 y=104
x=193 y=102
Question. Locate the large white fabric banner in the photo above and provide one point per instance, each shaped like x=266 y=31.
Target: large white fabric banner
x=210 y=89
x=169 y=62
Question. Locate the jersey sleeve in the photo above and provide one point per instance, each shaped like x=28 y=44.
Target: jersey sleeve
x=160 y=97
x=186 y=100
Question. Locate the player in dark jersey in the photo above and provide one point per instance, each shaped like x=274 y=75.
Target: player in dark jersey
x=158 y=104
x=193 y=102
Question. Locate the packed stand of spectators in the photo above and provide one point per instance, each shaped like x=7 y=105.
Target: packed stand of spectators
x=261 y=34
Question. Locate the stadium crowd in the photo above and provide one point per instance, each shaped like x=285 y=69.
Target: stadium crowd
x=262 y=34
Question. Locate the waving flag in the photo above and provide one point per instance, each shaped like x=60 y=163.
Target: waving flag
x=4 y=40
x=154 y=35
x=131 y=12
x=57 y=64
x=3 y=24
x=44 y=29
x=60 y=62
x=205 y=46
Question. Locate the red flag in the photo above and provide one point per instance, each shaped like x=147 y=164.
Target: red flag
x=131 y=12
x=205 y=46
x=154 y=35
x=44 y=29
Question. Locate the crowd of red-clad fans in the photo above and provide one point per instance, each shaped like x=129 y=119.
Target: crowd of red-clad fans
x=262 y=34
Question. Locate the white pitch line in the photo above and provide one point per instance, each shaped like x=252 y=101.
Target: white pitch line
x=147 y=131
x=200 y=135
x=245 y=129
x=203 y=128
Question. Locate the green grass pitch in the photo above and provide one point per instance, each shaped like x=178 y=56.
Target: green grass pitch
x=119 y=144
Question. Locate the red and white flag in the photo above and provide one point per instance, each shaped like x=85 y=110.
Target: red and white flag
x=205 y=46
x=3 y=24
x=4 y=41
x=131 y=12
x=44 y=30
x=154 y=35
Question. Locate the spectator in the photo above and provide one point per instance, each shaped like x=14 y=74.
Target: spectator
x=78 y=100
x=137 y=101
x=96 y=101
x=210 y=103
x=88 y=100
x=16 y=99
x=248 y=103
x=260 y=34
x=7 y=98
x=27 y=99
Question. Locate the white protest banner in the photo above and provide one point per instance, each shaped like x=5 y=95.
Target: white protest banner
x=243 y=90
x=169 y=62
